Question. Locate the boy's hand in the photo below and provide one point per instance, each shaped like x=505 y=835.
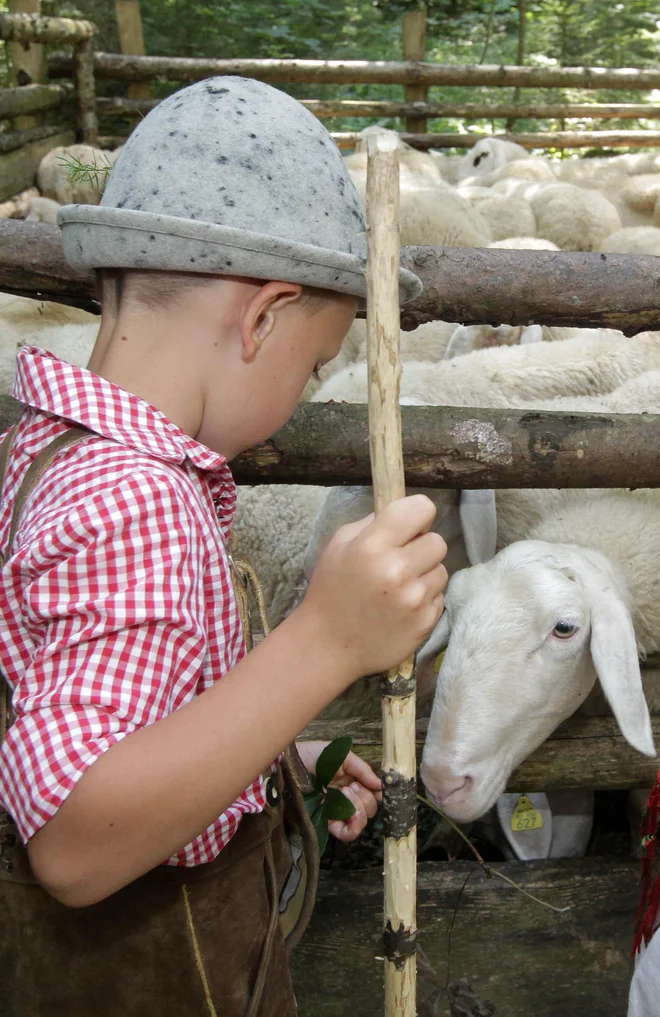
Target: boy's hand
x=378 y=587
x=358 y=782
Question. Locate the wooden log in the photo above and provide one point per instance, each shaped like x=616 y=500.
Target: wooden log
x=131 y=40
x=517 y=955
x=550 y=139
x=18 y=169
x=10 y=141
x=455 y=447
x=30 y=98
x=470 y=285
x=346 y=72
x=398 y=686
x=479 y=285
x=414 y=49
x=29 y=28
x=584 y=752
x=115 y=106
x=86 y=92
x=558 y=139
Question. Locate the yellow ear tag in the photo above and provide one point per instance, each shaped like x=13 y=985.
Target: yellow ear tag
x=438 y=662
x=525 y=816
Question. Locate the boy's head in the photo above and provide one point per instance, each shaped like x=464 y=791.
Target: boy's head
x=230 y=193
x=225 y=357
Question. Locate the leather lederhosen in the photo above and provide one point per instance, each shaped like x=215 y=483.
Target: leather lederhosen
x=208 y=941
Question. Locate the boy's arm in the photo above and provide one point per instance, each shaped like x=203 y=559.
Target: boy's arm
x=375 y=594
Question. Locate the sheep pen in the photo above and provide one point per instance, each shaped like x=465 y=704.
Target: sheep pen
x=531 y=364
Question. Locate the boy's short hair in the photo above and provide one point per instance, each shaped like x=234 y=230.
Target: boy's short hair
x=156 y=289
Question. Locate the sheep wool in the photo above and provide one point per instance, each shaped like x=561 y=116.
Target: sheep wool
x=633 y=240
x=54 y=175
x=573 y=218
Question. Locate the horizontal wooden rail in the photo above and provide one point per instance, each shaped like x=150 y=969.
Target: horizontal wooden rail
x=30 y=98
x=470 y=285
x=385 y=72
x=27 y=28
x=118 y=106
x=542 y=139
x=584 y=752
x=455 y=447
x=10 y=141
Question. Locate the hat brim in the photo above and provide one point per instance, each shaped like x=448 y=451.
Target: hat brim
x=94 y=236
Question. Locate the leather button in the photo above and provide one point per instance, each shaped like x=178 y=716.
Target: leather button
x=272 y=792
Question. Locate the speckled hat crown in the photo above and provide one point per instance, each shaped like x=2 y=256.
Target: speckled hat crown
x=229 y=176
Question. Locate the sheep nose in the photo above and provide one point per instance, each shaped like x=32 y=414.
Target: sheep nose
x=441 y=790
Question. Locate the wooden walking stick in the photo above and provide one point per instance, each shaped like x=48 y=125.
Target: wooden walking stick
x=398 y=686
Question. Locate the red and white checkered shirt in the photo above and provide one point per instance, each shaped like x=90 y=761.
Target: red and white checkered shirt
x=116 y=604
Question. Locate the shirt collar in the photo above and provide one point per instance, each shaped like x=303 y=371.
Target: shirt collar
x=54 y=386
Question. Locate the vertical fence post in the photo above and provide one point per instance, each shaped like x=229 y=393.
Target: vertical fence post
x=398 y=686
x=27 y=61
x=414 y=48
x=131 y=41
x=85 y=88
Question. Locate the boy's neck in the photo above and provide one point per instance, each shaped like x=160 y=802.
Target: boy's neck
x=155 y=357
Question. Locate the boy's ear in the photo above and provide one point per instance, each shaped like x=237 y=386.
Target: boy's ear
x=259 y=313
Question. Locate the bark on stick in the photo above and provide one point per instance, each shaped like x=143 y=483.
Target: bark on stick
x=398 y=686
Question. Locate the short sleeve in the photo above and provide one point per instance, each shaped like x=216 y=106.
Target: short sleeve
x=113 y=604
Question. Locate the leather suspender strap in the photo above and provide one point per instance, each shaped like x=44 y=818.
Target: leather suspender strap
x=34 y=472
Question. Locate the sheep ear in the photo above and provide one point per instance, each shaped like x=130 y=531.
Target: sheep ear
x=478 y=513
x=531 y=334
x=614 y=653
x=427 y=656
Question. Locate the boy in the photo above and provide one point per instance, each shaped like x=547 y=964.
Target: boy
x=229 y=247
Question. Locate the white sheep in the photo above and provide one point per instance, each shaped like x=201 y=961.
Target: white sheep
x=594 y=363
x=54 y=175
x=633 y=240
x=505 y=217
x=273 y=527
x=528 y=633
x=489 y=154
x=520 y=243
x=573 y=218
x=434 y=215
x=530 y=169
x=69 y=332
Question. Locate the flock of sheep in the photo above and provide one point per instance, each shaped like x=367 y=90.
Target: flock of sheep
x=554 y=593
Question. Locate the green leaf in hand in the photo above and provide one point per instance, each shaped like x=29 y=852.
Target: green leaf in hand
x=337 y=805
x=325 y=803
x=332 y=759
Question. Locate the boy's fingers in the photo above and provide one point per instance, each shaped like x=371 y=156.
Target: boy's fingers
x=406 y=518
x=349 y=531
x=425 y=553
x=358 y=770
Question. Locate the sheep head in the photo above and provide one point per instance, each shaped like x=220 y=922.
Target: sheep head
x=527 y=635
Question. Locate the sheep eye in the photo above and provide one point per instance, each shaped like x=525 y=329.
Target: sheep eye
x=564 y=630
x=477 y=159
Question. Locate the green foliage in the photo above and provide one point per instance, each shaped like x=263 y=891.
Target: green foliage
x=325 y=803
x=558 y=32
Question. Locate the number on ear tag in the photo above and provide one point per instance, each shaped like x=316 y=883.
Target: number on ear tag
x=525 y=816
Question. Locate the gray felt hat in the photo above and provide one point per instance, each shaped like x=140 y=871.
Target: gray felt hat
x=229 y=176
